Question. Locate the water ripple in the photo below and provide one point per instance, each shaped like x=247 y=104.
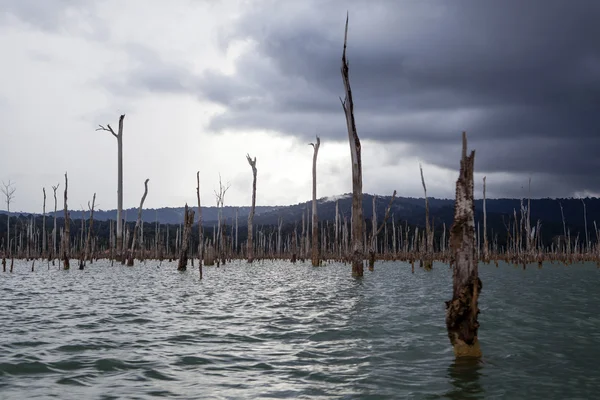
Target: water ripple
x=277 y=330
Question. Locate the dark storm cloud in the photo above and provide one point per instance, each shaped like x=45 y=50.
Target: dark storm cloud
x=521 y=77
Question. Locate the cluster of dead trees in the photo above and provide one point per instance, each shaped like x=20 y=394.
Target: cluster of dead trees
x=344 y=239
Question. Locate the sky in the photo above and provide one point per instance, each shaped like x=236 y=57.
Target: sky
x=204 y=82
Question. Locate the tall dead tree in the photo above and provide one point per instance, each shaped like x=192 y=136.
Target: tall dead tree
x=428 y=258
x=355 y=155
x=376 y=232
x=315 y=219
x=88 y=240
x=200 y=230
x=54 y=229
x=44 y=225
x=188 y=221
x=220 y=197
x=486 y=251
x=138 y=226
x=250 y=248
x=119 y=137
x=67 y=231
x=8 y=190
x=462 y=310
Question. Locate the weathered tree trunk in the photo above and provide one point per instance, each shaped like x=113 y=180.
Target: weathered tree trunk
x=376 y=232
x=250 y=249
x=54 y=229
x=315 y=219
x=355 y=154
x=88 y=241
x=9 y=191
x=462 y=310
x=187 y=229
x=67 y=232
x=44 y=248
x=119 y=137
x=200 y=230
x=486 y=251
x=428 y=257
x=137 y=226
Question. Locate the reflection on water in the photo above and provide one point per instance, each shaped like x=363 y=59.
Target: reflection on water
x=282 y=330
x=464 y=375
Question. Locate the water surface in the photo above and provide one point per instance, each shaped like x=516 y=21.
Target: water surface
x=279 y=330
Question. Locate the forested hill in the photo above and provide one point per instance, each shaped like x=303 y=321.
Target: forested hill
x=403 y=208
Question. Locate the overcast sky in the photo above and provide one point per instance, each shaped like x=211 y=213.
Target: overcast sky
x=202 y=83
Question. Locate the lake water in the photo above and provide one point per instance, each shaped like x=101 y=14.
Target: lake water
x=278 y=330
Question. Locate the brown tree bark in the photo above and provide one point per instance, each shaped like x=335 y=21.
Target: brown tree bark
x=138 y=226
x=67 y=231
x=200 y=230
x=462 y=310
x=315 y=219
x=250 y=248
x=355 y=154
x=44 y=247
x=88 y=241
x=187 y=229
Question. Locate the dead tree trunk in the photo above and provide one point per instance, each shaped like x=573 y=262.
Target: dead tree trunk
x=200 y=230
x=44 y=247
x=67 y=231
x=376 y=232
x=54 y=229
x=187 y=229
x=119 y=137
x=315 y=219
x=486 y=253
x=9 y=192
x=462 y=310
x=137 y=226
x=355 y=154
x=250 y=250
x=88 y=241
x=428 y=258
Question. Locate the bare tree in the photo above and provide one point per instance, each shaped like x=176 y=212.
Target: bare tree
x=355 y=154
x=486 y=250
x=220 y=196
x=119 y=137
x=250 y=248
x=587 y=237
x=428 y=231
x=87 y=254
x=315 y=219
x=376 y=232
x=462 y=310
x=67 y=231
x=200 y=230
x=188 y=221
x=44 y=224
x=138 y=226
x=54 y=229
x=8 y=189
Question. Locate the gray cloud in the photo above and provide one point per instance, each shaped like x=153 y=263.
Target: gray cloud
x=523 y=78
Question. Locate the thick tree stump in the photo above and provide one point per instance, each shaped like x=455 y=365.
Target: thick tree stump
x=462 y=310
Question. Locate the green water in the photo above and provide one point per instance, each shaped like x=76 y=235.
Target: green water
x=278 y=330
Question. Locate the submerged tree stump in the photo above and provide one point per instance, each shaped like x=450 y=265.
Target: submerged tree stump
x=187 y=229
x=462 y=310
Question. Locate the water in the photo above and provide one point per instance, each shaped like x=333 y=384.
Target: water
x=277 y=330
